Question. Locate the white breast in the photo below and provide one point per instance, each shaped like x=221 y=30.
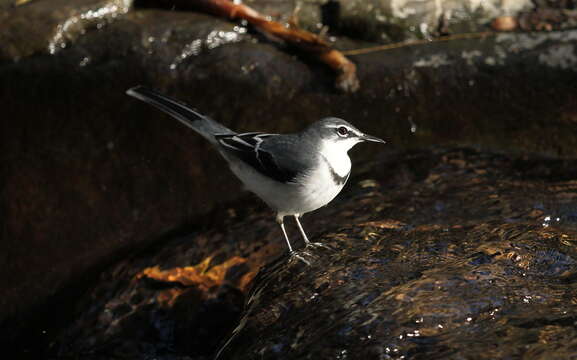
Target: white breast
x=310 y=192
x=319 y=188
x=335 y=153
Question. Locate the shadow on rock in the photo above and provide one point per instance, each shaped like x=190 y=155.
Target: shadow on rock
x=387 y=292
x=444 y=254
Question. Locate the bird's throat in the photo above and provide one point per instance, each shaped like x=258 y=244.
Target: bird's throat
x=338 y=163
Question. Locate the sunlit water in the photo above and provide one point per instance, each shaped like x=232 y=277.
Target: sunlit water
x=444 y=254
x=473 y=261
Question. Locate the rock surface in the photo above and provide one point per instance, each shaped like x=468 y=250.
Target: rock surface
x=444 y=254
x=40 y=27
x=89 y=175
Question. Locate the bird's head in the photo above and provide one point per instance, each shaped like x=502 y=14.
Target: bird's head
x=338 y=134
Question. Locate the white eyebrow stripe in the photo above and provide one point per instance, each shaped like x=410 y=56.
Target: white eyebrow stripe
x=338 y=126
x=354 y=131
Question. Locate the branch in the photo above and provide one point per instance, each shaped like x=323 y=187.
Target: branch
x=303 y=40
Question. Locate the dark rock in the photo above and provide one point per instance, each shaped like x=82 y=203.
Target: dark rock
x=178 y=300
x=49 y=26
x=394 y=20
x=445 y=254
x=89 y=175
x=385 y=21
x=489 y=277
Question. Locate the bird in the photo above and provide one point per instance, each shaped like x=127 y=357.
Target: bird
x=293 y=174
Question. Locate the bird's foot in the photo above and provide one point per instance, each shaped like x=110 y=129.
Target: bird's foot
x=294 y=255
x=316 y=245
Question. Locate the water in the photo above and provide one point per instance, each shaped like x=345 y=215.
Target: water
x=488 y=274
x=442 y=254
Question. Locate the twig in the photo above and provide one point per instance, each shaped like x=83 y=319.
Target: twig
x=303 y=40
x=372 y=49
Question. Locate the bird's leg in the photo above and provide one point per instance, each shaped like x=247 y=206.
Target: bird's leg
x=307 y=241
x=280 y=221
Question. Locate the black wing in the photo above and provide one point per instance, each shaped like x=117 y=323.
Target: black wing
x=272 y=155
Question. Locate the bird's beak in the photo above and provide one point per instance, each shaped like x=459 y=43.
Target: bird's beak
x=366 y=137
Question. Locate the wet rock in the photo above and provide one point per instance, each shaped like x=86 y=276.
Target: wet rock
x=398 y=20
x=175 y=301
x=90 y=175
x=428 y=251
x=52 y=26
x=6 y=4
x=49 y=26
x=420 y=294
x=393 y=20
x=489 y=277
x=546 y=18
x=9 y=4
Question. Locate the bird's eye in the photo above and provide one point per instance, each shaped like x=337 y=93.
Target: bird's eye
x=342 y=131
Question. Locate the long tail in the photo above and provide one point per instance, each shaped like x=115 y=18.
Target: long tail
x=204 y=125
